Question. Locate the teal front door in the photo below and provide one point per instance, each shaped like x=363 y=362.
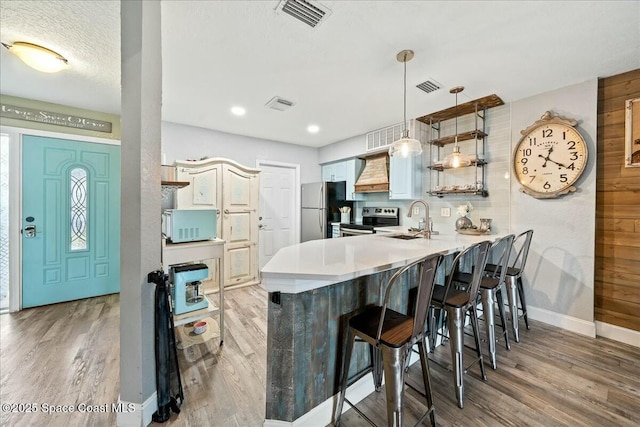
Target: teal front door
x=70 y=220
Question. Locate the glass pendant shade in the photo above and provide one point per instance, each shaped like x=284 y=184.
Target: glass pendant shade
x=405 y=146
x=456 y=160
x=38 y=57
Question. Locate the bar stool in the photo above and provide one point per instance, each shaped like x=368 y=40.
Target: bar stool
x=515 y=289
x=491 y=292
x=394 y=334
x=457 y=303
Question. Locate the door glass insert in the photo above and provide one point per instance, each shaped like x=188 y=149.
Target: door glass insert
x=78 y=212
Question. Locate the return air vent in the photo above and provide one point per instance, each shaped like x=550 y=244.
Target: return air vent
x=311 y=13
x=280 y=104
x=429 y=86
x=383 y=138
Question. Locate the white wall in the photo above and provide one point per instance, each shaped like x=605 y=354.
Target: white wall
x=181 y=142
x=559 y=275
x=350 y=147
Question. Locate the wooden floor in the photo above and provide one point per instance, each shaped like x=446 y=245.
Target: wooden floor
x=67 y=354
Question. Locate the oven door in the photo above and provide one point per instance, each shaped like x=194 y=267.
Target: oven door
x=345 y=232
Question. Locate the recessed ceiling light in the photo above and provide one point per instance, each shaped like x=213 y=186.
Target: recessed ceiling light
x=313 y=129
x=238 y=111
x=38 y=57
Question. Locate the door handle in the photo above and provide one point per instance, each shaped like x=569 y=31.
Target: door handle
x=261 y=226
x=29 y=231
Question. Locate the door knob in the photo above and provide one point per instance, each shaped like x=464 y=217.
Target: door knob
x=260 y=226
x=29 y=231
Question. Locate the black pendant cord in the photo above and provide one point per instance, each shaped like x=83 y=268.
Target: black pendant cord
x=404 y=123
x=457 y=120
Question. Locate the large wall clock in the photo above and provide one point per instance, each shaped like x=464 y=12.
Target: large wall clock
x=550 y=157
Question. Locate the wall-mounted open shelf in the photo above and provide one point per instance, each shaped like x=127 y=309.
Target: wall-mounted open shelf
x=443 y=193
x=477 y=107
x=169 y=187
x=440 y=168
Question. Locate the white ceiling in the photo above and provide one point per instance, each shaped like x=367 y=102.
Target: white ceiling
x=342 y=75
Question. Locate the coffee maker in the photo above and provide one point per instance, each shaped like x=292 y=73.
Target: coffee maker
x=187 y=291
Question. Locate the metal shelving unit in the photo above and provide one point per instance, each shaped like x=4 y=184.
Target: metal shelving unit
x=479 y=108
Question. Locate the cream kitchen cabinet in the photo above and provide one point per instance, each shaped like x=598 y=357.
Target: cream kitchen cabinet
x=232 y=189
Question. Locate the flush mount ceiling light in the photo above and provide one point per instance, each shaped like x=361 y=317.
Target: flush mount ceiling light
x=455 y=159
x=313 y=129
x=405 y=146
x=38 y=57
x=238 y=111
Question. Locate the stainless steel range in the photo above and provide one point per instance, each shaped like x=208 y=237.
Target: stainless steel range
x=372 y=218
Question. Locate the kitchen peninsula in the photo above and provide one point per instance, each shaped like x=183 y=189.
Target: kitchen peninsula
x=313 y=288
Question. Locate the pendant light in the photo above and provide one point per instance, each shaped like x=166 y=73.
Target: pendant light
x=405 y=146
x=455 y=159
x=38 y=57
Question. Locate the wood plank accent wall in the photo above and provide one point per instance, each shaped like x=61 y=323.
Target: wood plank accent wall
x=617 y=263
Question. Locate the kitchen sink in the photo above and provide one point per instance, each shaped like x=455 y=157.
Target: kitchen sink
x=404 y=237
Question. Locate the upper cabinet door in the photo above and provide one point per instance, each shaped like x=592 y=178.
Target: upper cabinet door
x=405 y=178
x=328 y=172
x=334 y=172
x=204 y=190
x=354 y=168
x=340 y=171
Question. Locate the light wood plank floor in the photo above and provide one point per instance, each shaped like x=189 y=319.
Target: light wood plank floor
x=66 y=354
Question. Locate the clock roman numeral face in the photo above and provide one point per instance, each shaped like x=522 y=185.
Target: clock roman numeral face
x=550 y=158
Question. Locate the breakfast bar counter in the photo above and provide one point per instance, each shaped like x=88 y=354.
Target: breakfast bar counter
x=313 y=288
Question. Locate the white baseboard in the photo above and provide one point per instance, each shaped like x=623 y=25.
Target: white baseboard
x=322 y=415
x=573 y=324
x=617 y=333
x=135 y=414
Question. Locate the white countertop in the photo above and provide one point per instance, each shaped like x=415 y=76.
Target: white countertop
x=318 y=263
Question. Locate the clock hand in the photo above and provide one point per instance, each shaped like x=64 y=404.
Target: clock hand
x=544 y=165
x=559 y=164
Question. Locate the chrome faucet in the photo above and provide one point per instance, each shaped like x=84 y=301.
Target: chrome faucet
x=427 y=231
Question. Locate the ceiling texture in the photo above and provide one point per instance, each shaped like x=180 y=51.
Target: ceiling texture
x=341 y=75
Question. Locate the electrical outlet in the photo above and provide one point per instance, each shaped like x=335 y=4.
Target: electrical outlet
x=445 y=212
x=416 y=210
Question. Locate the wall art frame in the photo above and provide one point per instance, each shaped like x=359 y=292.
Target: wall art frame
x=632 y=133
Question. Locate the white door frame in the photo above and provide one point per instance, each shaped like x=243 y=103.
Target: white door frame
x=296 y=208
x=15 y=200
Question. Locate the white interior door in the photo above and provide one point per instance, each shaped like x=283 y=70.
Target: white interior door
x=278 y=215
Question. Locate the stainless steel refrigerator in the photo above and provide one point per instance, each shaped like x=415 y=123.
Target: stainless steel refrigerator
x=319 y=201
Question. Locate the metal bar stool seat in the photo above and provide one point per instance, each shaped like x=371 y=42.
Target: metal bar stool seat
x=491 y=292
x=394 y=334
x=456 y=303
x=515 y=288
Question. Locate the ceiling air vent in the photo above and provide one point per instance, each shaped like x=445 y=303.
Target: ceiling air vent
x=280 y=104
x=429 y=86
x=311 y=13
